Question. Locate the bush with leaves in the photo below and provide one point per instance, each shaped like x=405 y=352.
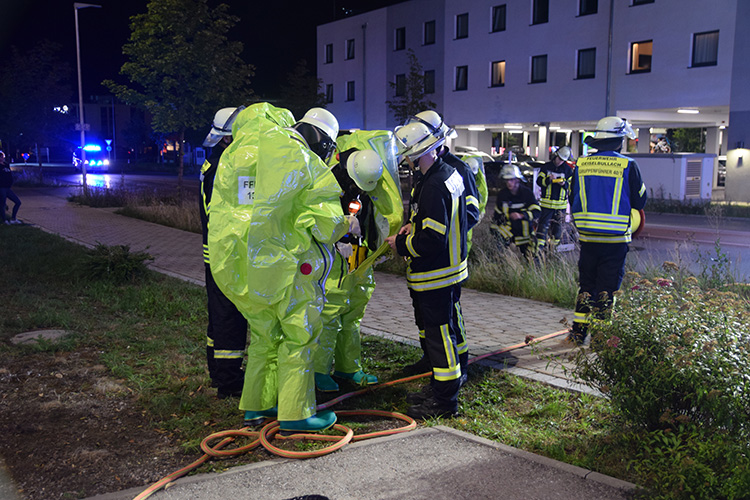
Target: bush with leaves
x=116 y=263
x=673 y=353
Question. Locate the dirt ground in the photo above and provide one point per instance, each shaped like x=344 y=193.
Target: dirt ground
x=68 y=431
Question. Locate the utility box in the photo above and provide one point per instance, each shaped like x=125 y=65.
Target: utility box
x=677 y=176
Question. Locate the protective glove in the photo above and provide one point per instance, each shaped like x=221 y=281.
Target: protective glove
x=345 y=249
x=354 y=228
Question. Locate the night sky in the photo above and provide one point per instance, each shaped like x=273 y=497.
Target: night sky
x=275 y=33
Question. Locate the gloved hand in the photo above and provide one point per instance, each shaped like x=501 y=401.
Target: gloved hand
x=354 y=228
x=345 y=249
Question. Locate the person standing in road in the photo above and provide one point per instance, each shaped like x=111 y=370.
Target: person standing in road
x=606 y=187
x=6 y=193
x=434 y=242
x=554 y=178
x=226 y=335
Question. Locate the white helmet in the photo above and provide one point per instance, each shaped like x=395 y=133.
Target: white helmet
x=365 y=168
x=564 y=153
x=510 y=171
x=415 y=139
x=222 y=125
x=434 y=122
x=324 y=120
x=474 y=163
x=610 y=127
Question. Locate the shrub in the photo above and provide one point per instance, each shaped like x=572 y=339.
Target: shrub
x=673 y=353
x=116 y=263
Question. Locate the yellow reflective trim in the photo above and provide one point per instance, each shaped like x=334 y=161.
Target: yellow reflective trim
x=471 y=200
x=434 y=285
x=434 y=225
x=410 y=245
x=225 y=354
x=617 y=196
x=642 y=190
x=437 y=273
x=603 y=238
x=450 y=355
x=446 y=374
x=582 y=194
x=421 y=334
x=209 y=341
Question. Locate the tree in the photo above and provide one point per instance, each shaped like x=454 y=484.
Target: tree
x=183 y=67
x=302 y=90
x=33 y=89
x=411 y=99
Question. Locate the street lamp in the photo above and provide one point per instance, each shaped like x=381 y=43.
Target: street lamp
x=81 y=123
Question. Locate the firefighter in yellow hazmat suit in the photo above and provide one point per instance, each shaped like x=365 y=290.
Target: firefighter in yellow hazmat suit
x=367 y=172
x=275 y=215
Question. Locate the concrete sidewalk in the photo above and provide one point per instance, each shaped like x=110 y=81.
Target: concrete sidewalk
x=433 y=463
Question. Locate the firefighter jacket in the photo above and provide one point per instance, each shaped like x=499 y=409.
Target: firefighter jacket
x=554 y=182
x=470 y=186
x=523 y=202
x=436 y=245
x=606 y=186
x=207 y=175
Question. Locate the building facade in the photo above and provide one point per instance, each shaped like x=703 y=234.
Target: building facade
x=536 y=73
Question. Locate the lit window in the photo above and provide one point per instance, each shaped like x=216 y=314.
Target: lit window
x=586 y=7
x=462 y=77
x=400 y=40
x=329 y=53
x=539 y=69
x=400 y=85
x=540 y=12
x=706 y=48
x=462 y=26
x=640 y=56
x=350 y=49
x=498 y=74
x=350 y=91
x=429 y=33
x=586 y=64
x=498 y=18
x=329 y=93
x=429 y=81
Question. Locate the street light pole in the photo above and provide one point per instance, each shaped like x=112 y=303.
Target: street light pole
x=81 y=122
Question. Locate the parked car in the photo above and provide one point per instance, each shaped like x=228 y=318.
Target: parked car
x=470 y=151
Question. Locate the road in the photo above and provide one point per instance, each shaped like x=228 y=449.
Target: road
x=685 y=239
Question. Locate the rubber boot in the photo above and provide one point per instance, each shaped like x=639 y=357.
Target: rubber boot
x=324 y=383
x=253 y=418
x=359 y=378
x=319 y=422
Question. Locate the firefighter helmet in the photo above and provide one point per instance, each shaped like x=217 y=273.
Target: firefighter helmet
x=564 y=153
x=322 y=119
x=612 y=126
x=510 y=171
x=221 y=126
x=415 y=139
x=474 y=163
x=365 y=168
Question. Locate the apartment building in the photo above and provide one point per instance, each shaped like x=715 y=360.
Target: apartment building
x=540 y=72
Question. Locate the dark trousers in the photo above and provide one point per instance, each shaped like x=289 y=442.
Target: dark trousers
x=550 y=221
x=8 y=194
x=226 y=338
x=601 y=268
x=435 y=312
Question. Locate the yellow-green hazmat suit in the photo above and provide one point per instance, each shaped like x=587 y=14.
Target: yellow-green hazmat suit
x=482 y=189
x=347 y=293
x=275 y=214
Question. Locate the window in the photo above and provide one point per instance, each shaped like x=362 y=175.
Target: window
x=462 y=26
x=429 y=81
x=462 y=77
x=429 y=33
x=329 y=53
x=329 y=93
x=705 y=48
x=498 y=74
x=586 y=64
x=350 y=49
x=498 y=18
x=641 y=2
x=640 y=56
x=540 y=12
x=350 y=91
x=400 y=85
x=586 y=7
x=539 y=69
x=400 y=39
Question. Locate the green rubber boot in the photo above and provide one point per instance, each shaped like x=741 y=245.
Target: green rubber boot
x=324 y=383
x=319 y=422
x=359 y=378
x=253 y=418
